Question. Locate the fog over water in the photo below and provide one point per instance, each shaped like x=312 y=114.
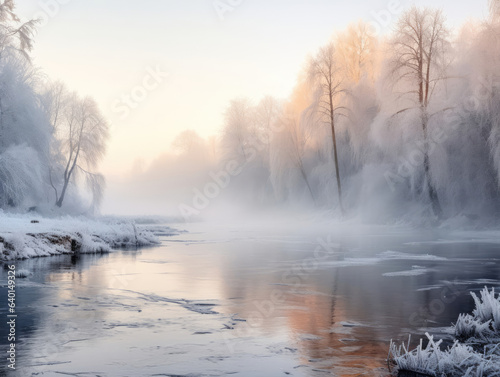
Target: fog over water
x=222 y=300
x=404 y=151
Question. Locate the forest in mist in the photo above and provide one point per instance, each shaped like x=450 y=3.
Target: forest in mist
x=51 y=139
x=385 y=127
x=400 y=126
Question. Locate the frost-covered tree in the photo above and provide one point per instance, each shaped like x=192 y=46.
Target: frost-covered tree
x=188 y=142
x=238 y=131
x=327 y=74
x=47 y=137
x=81 y=132
x=481 y=110
x=24 y=134
x=419 y=61
x=15 y=36
x=55 y=99
x=356 y=50
x=358 y=53
x=191 y=149
x=24 y=127
x=419 y=104
x=290 y=146
x=266 y=117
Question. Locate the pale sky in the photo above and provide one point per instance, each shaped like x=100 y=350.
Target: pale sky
x=108 y=49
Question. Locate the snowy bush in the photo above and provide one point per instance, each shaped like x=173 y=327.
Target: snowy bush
x=475 y=353
x=483 y=326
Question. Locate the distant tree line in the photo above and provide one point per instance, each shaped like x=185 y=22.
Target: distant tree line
x=386 y=126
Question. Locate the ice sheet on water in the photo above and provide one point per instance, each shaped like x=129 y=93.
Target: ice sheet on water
x=200 y=307
x=309 y=337
x=477 y=282
x=414 y=272
x=455 y=241
x=382 y=257
x=348 y=262
x=351 y=324
x=197 y=306
x=396 y=255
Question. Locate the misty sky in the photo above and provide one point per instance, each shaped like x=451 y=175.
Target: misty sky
x=108 y=49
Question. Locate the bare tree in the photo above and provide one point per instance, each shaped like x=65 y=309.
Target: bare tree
x=289 y=150
x=188 y=142
x=266 y=116
x=238 y=130
x=328 y=77
x=419 y=60
x=82 y=133
x=54 y=100
x=356 y=48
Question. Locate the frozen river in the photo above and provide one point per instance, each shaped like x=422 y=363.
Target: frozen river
x=218 y=301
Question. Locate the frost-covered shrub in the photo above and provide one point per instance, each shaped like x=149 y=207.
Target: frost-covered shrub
x=475 y=353
x=483 y=326
x=468 y=327
x=457 y=360
x=488 y=308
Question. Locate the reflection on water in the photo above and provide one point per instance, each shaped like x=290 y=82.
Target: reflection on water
x=247 y=303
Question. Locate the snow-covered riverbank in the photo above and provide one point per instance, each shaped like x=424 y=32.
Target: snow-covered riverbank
x=30 y=235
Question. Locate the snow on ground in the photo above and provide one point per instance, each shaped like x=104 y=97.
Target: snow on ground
x=30 y=235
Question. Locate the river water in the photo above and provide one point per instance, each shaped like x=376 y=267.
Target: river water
x=225 y=300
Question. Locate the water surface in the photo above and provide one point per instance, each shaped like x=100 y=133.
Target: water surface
x=218 y=300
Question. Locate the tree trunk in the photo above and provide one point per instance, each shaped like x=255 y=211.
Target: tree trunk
x=436 y=205
x=335 y=157
x=59 y=202
x=304 y=176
